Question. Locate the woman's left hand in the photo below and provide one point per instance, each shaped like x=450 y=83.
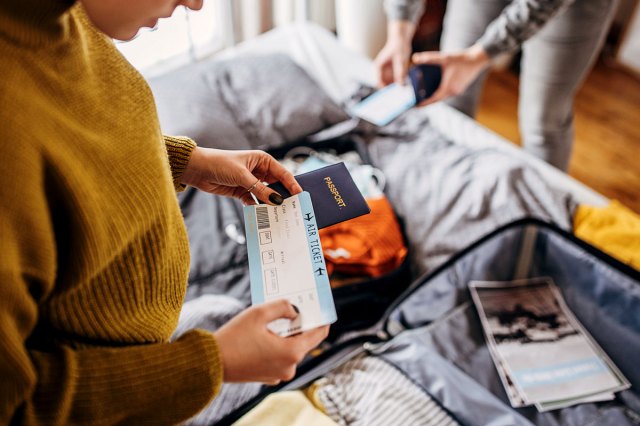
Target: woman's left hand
x=238 y=174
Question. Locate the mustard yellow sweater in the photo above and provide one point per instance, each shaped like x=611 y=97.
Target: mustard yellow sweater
x=93 y=248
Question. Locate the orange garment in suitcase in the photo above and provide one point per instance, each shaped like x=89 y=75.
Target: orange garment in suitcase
x=370 y=245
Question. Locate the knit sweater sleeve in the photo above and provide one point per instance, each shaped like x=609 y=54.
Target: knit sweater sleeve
x=404 y=10
x=519 y=21
x=155 y=383
x=179 y=149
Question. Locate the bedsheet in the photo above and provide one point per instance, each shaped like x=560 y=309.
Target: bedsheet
x=450 y=195
x=450 y=180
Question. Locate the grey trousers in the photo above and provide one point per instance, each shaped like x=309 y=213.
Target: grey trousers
x=555 y=61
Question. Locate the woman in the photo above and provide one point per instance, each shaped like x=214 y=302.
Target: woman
x=560 y=40
x=94 y=254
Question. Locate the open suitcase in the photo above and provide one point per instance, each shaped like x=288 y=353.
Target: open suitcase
x=432 y=334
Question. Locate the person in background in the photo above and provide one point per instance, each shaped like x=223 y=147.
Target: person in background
x=560 y=40
x=94 y=254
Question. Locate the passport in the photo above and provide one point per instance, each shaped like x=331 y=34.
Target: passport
x=334 y=194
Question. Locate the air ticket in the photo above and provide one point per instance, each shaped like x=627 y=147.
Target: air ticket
x=286 y=262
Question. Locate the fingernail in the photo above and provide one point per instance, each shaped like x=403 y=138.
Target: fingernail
x=276 y=198
x=295 y=308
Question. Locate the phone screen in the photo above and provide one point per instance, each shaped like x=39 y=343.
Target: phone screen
x=425 y=80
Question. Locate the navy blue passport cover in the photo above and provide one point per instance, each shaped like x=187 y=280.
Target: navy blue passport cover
x=334 y=194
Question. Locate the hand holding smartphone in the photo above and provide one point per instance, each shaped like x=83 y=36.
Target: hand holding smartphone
x=386 y=104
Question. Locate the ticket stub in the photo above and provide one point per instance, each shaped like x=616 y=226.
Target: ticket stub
x=286 y=262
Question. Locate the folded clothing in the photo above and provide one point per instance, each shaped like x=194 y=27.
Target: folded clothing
x=291 y=408
x=370 y=245
x=369 y=391
x=614 y=229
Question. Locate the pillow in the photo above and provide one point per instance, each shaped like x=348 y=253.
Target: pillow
x=250 y=102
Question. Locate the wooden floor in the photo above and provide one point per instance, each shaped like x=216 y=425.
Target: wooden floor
x=606 y=153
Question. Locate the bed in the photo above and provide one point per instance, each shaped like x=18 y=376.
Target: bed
x=451 y=180
x=436 y=159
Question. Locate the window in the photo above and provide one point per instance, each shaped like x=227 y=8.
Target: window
x=191 y=35
x=184 y=37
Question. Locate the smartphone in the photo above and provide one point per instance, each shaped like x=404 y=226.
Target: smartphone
x=425 y=79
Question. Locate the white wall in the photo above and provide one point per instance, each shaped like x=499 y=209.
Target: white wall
x=629 y=52
x=361 y=25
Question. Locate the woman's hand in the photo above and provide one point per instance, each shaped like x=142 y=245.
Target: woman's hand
x=252 y=353
x=459 y=70
x=238 y=174
x=392 y=63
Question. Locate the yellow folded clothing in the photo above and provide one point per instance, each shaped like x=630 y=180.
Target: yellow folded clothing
x=614 y=229
x=291 y=408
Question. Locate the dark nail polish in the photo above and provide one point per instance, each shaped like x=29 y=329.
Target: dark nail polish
x=276 y=198
x=295 y=308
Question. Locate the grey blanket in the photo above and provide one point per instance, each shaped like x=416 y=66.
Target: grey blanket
x=448 y=195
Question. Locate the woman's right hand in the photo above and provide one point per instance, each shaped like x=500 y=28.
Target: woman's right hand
x=392 y=63
x=459 y=70
x=252 y=353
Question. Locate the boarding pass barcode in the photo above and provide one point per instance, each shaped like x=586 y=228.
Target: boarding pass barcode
x=262 y=217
